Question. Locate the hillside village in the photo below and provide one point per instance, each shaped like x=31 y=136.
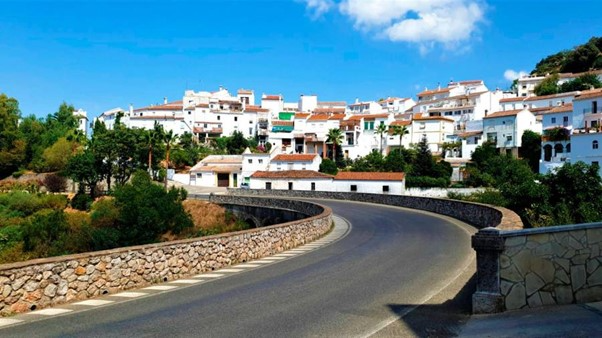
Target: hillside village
x=454 y=120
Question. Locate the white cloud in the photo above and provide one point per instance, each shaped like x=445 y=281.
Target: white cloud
x=422 y=22
x=512 y=75
x=319 y=7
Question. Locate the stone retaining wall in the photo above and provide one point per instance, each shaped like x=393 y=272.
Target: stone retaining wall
x=479 y=215
x=538 y=267
x=25 y=286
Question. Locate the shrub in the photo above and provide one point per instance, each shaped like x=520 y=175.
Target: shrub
x=426 y=182
x=58 y=202
x=55 y=183
x=81 y=201
x=44 y=235
x=18 y=173
x=105 y=213
x=24 y=203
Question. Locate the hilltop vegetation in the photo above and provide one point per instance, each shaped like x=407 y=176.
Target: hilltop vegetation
x=582 y=58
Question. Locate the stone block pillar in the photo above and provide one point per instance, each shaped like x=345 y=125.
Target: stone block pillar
x=488 y=244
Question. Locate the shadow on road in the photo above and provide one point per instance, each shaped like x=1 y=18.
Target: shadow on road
x=436 y=318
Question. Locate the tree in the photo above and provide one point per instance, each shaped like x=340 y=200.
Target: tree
x=151 y=139
x=424 y=163
x=381 y=130
x=335 y=137
x=12 y=145
x=548 y=86
x=550 y=64
x=170 y=140
x=82 y=168
x=373 y=162
x=400 y=131
x=56 y=156
x=530 y=149
x=581 y=59
x=583 y=82
x=328 y=167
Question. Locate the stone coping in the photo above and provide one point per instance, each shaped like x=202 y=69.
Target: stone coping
x=56 y=259
x=550 y=229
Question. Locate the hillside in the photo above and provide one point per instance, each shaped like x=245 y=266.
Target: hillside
x=582 y=58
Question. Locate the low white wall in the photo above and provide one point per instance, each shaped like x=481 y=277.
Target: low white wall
x=440 y=192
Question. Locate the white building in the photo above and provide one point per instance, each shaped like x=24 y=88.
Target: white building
x=506 y=128
x=396 y=104
x=370 y=182
x=295 y=162
x=557 y=127
x=369 y=107
x=435 y=129
x=82 y=121
x=217 y=171
x=587 y=123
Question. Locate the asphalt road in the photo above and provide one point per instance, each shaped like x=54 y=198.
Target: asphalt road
x=365 y=284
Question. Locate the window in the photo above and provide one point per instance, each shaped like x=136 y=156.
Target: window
x=199 y=175
x=553 y=120
x=189 y=112
x=385 y=188
x=260 y=161
x=235 y=118
x=219 y=117
x=509 y=138
x=268 y=185
x=313 y=186
x=353 y=187
x=422 y=125
x=290 y=185
x=595 y=145
x=250 y=161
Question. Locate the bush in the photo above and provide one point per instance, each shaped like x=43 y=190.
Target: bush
x=58 y=202
x=426 y=182
x=55 y=183
x=81 y=201
x=18 y=173
x=24 y=203
x=328 y=166
x=44 y=235
x=105 y=213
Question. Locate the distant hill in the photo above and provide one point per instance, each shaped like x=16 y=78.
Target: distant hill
x=582 y=58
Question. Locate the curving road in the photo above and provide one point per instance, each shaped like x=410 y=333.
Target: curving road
x=392 y=260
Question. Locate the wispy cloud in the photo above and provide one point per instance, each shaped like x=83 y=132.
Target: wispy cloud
x=512 y=75
x=425 y=23
x=317 y=8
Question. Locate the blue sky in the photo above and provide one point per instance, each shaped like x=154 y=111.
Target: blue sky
x=98 y=55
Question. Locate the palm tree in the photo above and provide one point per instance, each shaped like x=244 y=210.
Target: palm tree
x=380 y=130
x=400 y=131
x=170 y=140
x=151 y=137
x=335 y=136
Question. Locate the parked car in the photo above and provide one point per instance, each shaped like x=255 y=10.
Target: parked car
x=244 y=186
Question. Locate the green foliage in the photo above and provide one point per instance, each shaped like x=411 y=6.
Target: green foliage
x=372 y=162
x=530 y=149
x=57 y=155
x=335 y=137
x=583 y=82
x=548 y=86
x=426 y=182
x=12 y=144
x=551 y=64
x=328 y=167
x=488 y=196
x=581 y=58
x=55 y=183
x=45 y=233
x=147 y=211
x=81 y=201
x=83 y=169
x=395 y=161
x=104 y=214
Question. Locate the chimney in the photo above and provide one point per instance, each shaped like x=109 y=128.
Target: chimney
x=165 y=100
x=357 y=100
x=131 y=109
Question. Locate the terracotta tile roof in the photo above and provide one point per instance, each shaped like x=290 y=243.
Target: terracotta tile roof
x=255 y=109
x=329 y=110
x=202 y=105
x=359 y=104
x=295 y=157
x=469 y=82
x=318 y=117
x=434 y=91
x=272 y=97
x=337 y=117
x=291 y=174
x=374 y=116
x=432 y=118
x=176 y=105
x=245 y=91
x=551 y=96
x=368 y=176
x=589 y=94
x=393 y=99
x=282 y=123
x=566 y=108
x=356 y=117
x=513 y=99
x=574 y=75
x=470 y=133
x=302 y=115
x=325 y=104
x=503 y=113
x=400 y=123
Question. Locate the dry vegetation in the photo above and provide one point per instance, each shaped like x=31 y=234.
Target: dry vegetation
x=209 y=218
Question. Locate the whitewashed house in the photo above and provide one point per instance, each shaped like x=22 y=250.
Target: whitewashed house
x=587 y=128
x=217 y=171
x=506 y=128
x=295 y=162
x=556 y=146
x=370 y=182
x=435 y=129
x=307 y=180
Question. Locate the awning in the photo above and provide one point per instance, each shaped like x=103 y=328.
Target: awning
x=282 y=129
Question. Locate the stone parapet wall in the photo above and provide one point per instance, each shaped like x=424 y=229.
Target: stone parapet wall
x=479 y=215
x=28 y=285
x=538 y=267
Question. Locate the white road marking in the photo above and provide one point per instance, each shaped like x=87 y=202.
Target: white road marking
x=8 y=321
x=245 y=266
x=231 y=270
x=186 y=281
x=262 y=261
x=286 y=254
x=49 y=312
x=273 y=258
x=94 y=302
x=161 y=287
x=209 y=275
x=129 y=294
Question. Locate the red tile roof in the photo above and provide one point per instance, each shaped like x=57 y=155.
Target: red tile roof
x=566 y=108
x=318 y=117
x=176 y=105
x=295 y=157
x=512 y=99
x=302 y=115
x=469 y=134
x=272 y=97
x=432 y=118
x=291 y=174
x=255 y=109
x=503 y=113
x=434 y=91
x=589 y=94
x=368 y=176
x=329 y=110
x=337 y=117
x=401 y=123
x=245 y=91
x=551 y=96
x=282 y=123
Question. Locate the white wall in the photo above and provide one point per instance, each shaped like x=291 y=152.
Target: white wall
x=298 y=184
x=370 y=187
